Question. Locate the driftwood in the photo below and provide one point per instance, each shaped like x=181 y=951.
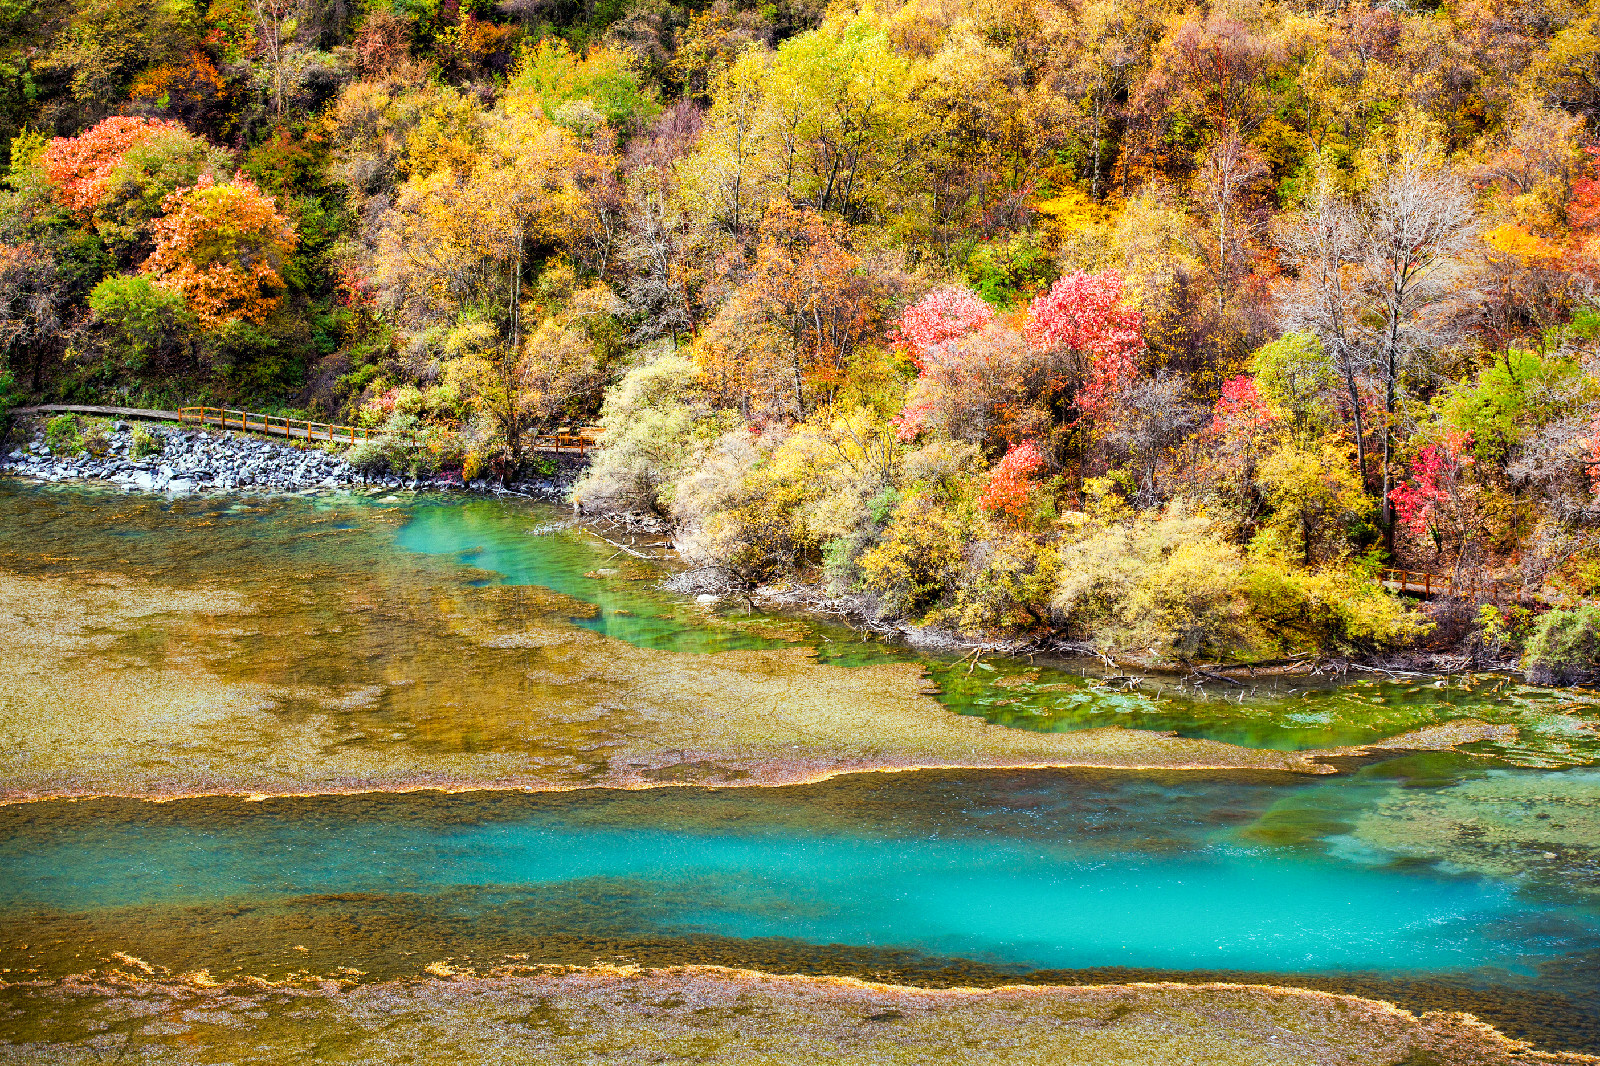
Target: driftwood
x=624 y=548
x=1391 y=673
x=1196 y=670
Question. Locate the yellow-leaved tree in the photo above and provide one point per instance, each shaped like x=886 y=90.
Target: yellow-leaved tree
x=453 y=258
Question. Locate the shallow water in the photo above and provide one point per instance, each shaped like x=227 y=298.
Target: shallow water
x=1021 y=871
x=1289 y=714
x=370 y=639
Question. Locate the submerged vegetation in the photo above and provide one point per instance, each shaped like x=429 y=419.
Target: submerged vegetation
x=1164 y=325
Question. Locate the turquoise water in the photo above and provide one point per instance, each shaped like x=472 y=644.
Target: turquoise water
x=1041 y=870
x=532 y=546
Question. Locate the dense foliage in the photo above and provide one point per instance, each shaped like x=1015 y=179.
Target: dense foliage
x=1167 y=320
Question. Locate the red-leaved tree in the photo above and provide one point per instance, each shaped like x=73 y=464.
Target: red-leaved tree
x=1438 y=501
x=981 y=380
x=1240 y=408
x=1083 y=317
x=1010 y=485
x=930 y=326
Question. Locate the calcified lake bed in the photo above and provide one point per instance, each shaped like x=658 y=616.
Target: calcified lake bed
x=383 y=779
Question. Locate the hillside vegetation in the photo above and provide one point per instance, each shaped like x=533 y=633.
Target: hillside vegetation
x=1163 y=324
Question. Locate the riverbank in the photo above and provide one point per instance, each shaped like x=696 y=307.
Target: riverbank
x=185 y=462
x=813 y=599
x=623 y=1014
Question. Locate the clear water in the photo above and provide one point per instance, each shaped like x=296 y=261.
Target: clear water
x=529 y=545
x=1042 y=870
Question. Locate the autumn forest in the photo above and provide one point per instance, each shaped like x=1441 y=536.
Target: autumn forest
x=1165 y=326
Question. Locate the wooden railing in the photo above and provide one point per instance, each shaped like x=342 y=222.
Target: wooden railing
x=575 y=441
x=276 y=424
x=1417 y=583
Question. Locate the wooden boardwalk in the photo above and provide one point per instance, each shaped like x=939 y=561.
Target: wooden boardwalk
x=276 y=425
x=1431 y=586
x=563 y=441
x=110 y=412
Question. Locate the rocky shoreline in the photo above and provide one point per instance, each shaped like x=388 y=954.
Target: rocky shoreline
x=195 y=461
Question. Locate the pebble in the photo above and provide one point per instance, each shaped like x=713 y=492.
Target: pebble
x=193 y=461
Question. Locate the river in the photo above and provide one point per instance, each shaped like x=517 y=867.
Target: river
x=288 y=672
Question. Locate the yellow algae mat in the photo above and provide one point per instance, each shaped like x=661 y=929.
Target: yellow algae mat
x=712 y=1015
x=113 y=686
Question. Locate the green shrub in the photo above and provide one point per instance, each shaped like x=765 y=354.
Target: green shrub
x=141 y=321
x=370 y=457
x=61 y=434
x=1296 y=378
x=655 y=427
x=1332 y=609
x=96 y=439
x=146 y=443
x=1564 y=648
x=8 y=393
x=1513 y=396
x=408 y=446
x=1006 y=271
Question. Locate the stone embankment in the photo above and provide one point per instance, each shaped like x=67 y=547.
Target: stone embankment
x=193 y=461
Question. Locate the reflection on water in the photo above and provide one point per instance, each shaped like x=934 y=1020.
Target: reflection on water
x=1287 y=713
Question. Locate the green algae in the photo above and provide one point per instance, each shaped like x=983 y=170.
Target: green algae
x=1546 y=728
x=1543 y=827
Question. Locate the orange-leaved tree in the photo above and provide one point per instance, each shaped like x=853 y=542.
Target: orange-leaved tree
x=1009 y=489
x=808 y=281
x=81 y=168
x=223 y=246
